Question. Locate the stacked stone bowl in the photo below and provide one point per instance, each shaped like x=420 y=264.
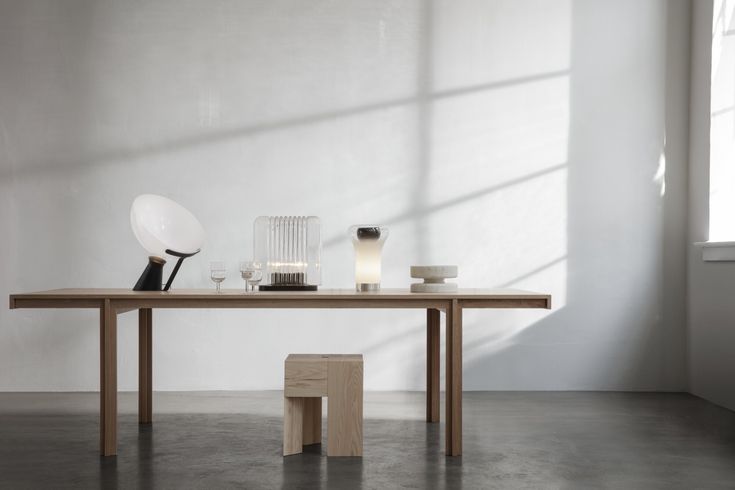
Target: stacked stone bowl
x=433 y=276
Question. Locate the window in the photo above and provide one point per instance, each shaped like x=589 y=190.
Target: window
x=722 y=120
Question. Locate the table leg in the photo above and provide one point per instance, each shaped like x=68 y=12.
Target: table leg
x=454 y=380
x=432 y=364
x=108 y=379
x=145 y=366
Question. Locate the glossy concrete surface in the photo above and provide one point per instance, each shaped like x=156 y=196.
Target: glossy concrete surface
x=512 y=440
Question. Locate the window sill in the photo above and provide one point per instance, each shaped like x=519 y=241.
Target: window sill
x=717 y=251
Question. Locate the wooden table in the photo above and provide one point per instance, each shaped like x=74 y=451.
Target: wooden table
x=112 y=302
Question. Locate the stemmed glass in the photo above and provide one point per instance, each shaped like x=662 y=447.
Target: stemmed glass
x=218 y=272
x=257 y=275
x=252 y=273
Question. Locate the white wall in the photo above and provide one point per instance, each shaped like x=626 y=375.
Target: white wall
x=711 y=306
x=523 y=140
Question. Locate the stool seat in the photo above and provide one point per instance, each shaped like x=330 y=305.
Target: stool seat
x=309 y=377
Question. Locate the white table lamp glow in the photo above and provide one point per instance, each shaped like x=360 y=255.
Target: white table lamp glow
x=368 y=241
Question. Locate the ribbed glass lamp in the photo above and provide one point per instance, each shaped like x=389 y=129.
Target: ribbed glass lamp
x=163 y=227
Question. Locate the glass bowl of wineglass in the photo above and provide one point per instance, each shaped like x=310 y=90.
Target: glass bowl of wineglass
x=257 y=275
x=217 y=272
x=252 y=273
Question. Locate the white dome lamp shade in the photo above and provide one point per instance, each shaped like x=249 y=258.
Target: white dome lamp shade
x=163 y=227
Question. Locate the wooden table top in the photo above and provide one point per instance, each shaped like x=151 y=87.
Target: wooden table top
x=182 y=298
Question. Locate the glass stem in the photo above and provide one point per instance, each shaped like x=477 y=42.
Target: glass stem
x=218 y=287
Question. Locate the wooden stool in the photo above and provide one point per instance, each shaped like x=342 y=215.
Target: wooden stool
x=308 y=378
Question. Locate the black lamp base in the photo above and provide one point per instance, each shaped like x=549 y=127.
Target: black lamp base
x=152 y=277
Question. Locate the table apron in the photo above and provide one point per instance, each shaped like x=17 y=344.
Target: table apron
x=279 y=304
x=123 y=305
x=18 y=303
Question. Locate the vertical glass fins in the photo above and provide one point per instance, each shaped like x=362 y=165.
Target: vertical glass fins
x=289 y=250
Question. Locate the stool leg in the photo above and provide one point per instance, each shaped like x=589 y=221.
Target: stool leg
x=312 y=421
x=293 y=423
x=344 y=408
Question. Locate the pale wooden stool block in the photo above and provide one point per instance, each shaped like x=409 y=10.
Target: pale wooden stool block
x=309 y=377
x=344 y=406
x=293 y=425
x=306 y=375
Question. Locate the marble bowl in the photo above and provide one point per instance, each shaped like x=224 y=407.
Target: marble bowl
x=433 y=276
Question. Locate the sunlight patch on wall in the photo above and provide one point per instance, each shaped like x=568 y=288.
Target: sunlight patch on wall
x=499 y=182
x=498 y=178
x=479 y=42
x=659 y=178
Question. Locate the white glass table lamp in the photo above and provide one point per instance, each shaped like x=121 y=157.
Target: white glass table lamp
x=163 y=227
x=368 y=241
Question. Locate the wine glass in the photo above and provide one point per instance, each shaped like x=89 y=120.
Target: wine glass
x=257 y=276
x=251 y=272
x=218 y=272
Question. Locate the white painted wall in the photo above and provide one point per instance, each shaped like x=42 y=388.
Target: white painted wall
x=522 y=140
x=711 y=284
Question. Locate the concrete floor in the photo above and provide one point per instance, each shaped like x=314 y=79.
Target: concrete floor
x=511 y=440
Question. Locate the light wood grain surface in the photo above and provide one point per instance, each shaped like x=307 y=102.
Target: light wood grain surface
x=306 y=375
x=125 y=299
x=227 y=294
x=112 y=302
x=433 y=354
x=145 y=366
x=293 y=425
x=344 y=405
x=108 y=380
x=453 y=380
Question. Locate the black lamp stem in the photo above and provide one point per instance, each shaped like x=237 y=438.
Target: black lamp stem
x=181 y=257
x=173 y=273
